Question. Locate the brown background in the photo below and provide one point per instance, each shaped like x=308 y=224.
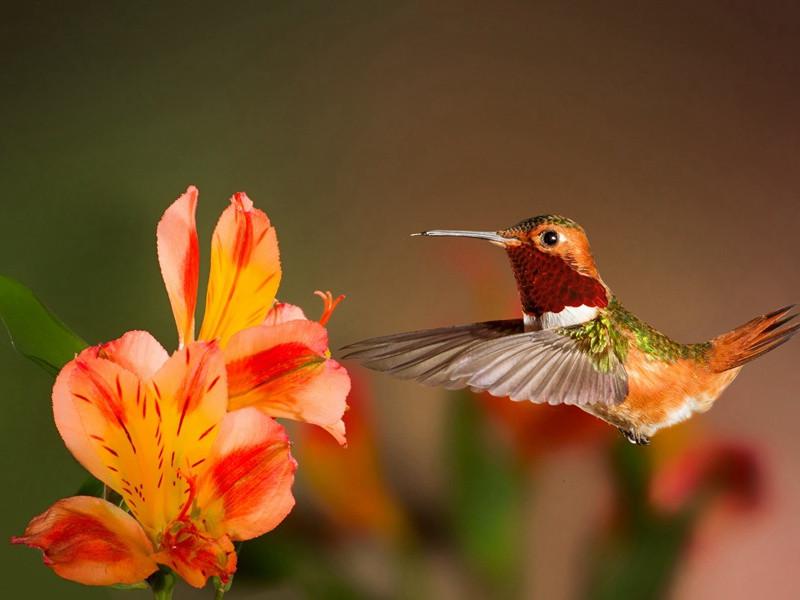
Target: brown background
x=670 y=131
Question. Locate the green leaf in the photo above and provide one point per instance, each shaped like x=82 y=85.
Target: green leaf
x=35 y=332
x=92 y=486
x=488 y=497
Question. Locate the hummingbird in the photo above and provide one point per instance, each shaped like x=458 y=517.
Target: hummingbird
x=575 y=344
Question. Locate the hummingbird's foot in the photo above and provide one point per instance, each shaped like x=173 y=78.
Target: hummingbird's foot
x=634 y=437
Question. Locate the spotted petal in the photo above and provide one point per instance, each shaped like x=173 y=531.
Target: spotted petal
x=284 y=371
x=246 y=490
x=91 y=541
x=245 y=271
x=178 y=255
x=135 y=435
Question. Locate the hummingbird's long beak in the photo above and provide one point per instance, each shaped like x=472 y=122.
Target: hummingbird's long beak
x=492 y=236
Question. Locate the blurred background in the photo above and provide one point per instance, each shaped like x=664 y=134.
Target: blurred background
x=669 y=130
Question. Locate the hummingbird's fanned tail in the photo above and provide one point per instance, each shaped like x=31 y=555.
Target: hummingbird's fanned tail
x=751 y=340
x=545 y=366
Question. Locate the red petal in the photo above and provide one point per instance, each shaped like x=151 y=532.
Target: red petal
x=178 y=255
x=247 y=489
x=284 y=372
x=91 y=541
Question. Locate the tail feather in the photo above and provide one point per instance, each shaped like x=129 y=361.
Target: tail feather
x=751 y=340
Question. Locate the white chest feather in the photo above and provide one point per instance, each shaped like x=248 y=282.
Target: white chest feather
x=690 y=406
x=571 y=315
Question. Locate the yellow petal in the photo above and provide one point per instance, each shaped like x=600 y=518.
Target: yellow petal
x=245 y=271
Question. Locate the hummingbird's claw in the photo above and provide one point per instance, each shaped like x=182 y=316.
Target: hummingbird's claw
x=634 y=437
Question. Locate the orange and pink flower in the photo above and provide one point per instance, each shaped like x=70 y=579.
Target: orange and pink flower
x=156 y=430
x=189 y=441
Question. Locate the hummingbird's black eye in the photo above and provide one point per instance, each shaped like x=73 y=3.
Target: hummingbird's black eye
x=549 y=238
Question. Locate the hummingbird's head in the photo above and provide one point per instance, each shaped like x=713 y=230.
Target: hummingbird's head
x=552 y=263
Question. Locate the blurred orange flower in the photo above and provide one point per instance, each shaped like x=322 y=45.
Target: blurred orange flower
x=351 y=486
x=535 y=430
x=729 y=474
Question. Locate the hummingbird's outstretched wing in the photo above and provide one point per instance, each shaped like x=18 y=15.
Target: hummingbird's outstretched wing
x=547 y=366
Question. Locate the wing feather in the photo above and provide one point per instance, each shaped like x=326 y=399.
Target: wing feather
x=547 y=366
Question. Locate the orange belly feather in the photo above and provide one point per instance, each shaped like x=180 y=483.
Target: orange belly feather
x=663 y=393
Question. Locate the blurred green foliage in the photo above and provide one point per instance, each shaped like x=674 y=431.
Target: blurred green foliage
x=487 y=499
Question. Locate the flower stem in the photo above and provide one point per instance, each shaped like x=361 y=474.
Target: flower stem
x=220 y=587
x=163 y=582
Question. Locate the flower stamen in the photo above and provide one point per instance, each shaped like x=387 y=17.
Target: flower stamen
x=330 y=304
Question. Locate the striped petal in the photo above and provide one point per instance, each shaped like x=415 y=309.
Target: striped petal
x=190 y=400
x=246 y=490
x=245 y=271
x=134 y=435
x=178 y=255
x=92 y=404
x=284 y=372
x=91 y=541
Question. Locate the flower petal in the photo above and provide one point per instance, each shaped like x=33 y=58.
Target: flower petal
x=178 y=255
x=282 y=312
x=91 y=405
x=135 y=436
x=91 y=541
x=137 y=351
x=247 y=489
x=189 y=394
x=284 y=372
x=245 y=271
